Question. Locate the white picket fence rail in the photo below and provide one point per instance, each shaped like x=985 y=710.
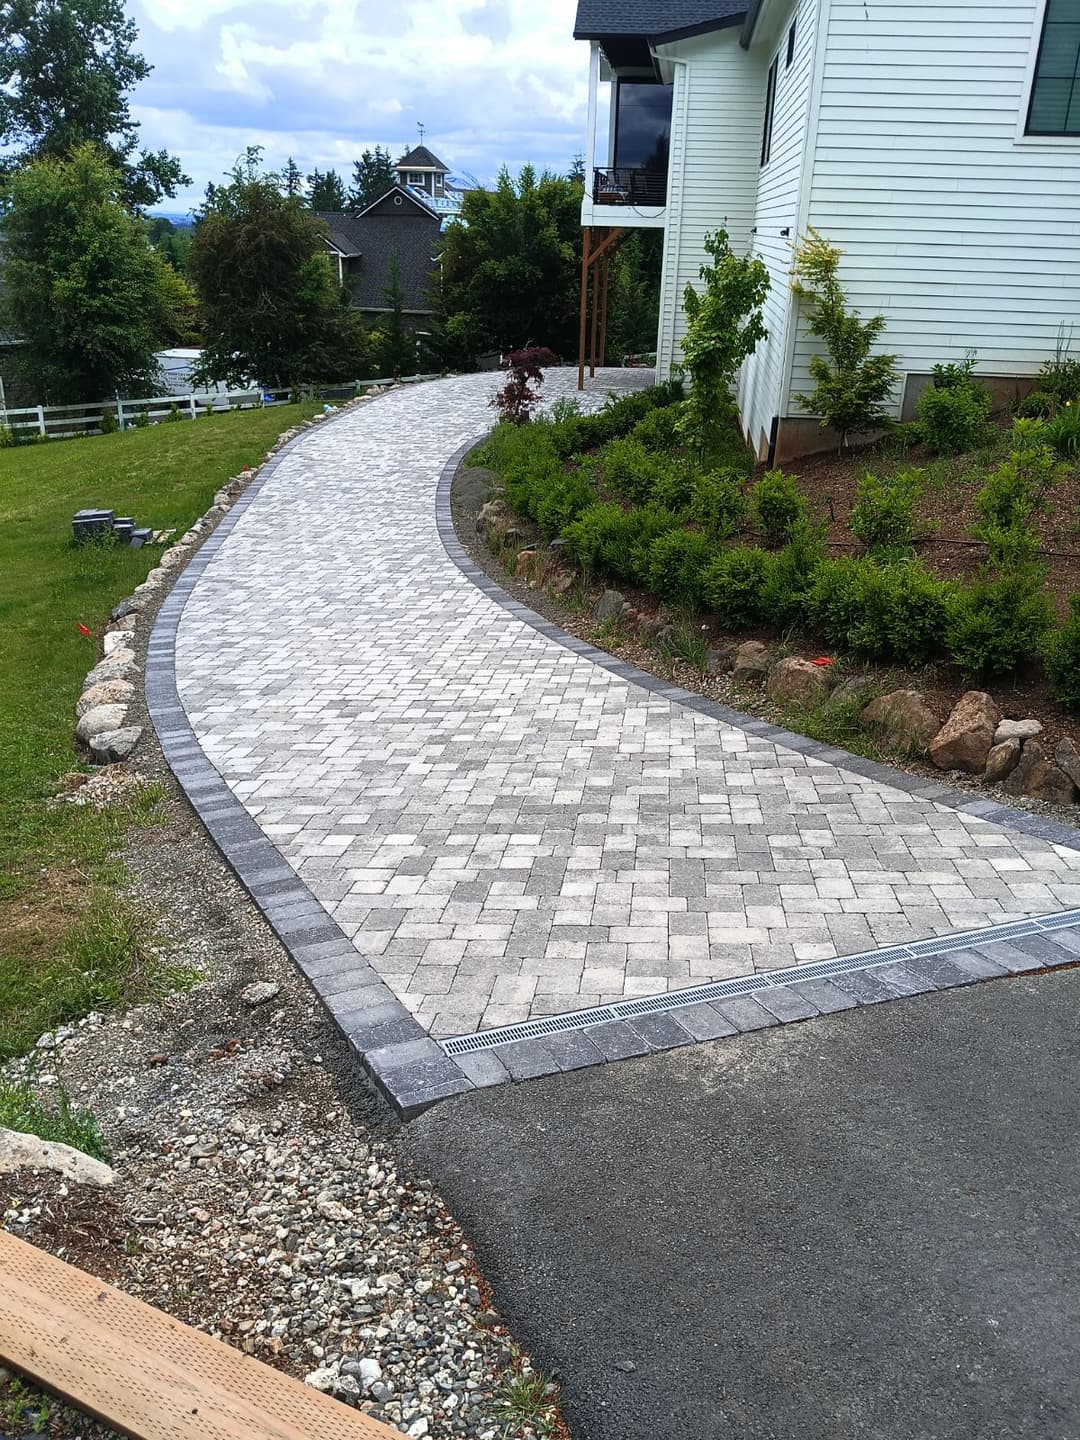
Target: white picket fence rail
x=58 y=421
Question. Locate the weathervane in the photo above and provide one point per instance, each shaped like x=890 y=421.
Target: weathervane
x=420 y=127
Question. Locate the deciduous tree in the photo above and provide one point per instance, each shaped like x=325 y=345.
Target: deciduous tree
x=83 y=286
x=510 y=267
x=273 y=309
x=66 y=69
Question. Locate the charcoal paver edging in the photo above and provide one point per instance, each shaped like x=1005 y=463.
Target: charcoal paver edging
x=412 y=1068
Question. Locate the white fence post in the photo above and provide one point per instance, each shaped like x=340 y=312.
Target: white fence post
x=41 y=420
x=120 y=412
x=191 y=405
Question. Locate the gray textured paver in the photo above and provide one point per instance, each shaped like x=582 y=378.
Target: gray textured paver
x=503 y=828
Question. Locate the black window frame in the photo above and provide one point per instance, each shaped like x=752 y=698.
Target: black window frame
x=790 y=45
x=1074 y=92
x=770 y=110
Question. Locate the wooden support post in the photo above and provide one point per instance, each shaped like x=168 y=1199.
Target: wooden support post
x=595 y=341
x=586 y=246
x=604 y=308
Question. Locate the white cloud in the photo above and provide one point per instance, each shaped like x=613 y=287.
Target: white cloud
x=493 y=81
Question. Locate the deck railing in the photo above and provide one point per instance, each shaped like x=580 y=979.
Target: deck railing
x=622 y=186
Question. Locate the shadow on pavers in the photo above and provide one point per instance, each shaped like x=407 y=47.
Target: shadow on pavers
x=861 y=1226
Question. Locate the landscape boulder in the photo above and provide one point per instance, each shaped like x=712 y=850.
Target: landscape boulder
x=99 y=719
x=964 y=741
x=752 y=661
x=1017 y=730
x=1067 y=758
x=492 y=514
x=112 y=746
x=609 y=606
x=902 y=719
x=718 y=659
x=1037 y=775
x=117 y=640
x=27 y=1152
x=1001 y=760
x=130 y=606
x=109 y=692
x=115 y=667
x=797 y=682
x=524 y=563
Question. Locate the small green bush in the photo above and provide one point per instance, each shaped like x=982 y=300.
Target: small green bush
x=894 y=612
x=1063 y=659
x=999 y=622
x=1060 y=377
x=883 y=515
x=141 y=420
x=675 y=488
x=108 y=424
x=1039 y=405
x=789 y=576
x=732 y=584
x=1020 y=486
x=1063 y=431
x=573 y=434
x=953 y=418
x=657 y=432
x=718 y=503
x=777 y=506
x=676 y=564
x=606 y=539
x=7 y=437
x=174 y=415
x=629 y=470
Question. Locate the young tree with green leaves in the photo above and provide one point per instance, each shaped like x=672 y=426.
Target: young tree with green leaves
x=853 y=385
x=273 y=309
x=723 y=327
x=91 y=297
x=66 y=69
x=326 y=192
x=510 y=267
x=373 y=176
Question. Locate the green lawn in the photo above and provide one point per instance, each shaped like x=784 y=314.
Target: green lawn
x=67 y=942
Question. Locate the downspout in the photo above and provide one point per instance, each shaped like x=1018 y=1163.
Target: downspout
x=673 y=228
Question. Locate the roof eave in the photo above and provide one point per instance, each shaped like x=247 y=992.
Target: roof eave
x=705 y=27
x=750 y=23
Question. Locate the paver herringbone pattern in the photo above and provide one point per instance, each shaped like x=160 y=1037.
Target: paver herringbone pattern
x=502 y=827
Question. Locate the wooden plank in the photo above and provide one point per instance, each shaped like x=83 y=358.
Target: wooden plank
x=144 y=1372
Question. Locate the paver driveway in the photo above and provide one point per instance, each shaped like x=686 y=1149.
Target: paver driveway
x=502 y=827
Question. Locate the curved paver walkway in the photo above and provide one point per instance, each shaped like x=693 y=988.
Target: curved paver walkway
x=502 y=827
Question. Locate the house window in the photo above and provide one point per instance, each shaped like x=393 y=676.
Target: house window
x=770 y=106
x=790 y=46
x=1055 y=92
x=415 y=179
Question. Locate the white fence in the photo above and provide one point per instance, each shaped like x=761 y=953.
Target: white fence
x=60 y=421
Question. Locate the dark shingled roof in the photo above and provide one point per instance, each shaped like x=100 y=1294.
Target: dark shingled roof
x=413 y=232
x=598 y=19
x=421 y=158
x=345 y=231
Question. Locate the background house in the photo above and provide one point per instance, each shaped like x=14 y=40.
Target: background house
x=938 y=146
x=363 y=245
x=426 y=176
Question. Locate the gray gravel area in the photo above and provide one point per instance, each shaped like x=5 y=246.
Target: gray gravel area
x=260 y=1190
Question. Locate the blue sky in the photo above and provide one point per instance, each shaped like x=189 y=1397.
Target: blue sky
x=493 y=81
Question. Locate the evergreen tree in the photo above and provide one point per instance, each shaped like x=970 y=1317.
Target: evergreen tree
x=83 y=286
x=291 y=177
x=634 y=297
x=326 y=192
x=373 y=176
x=273 y=308
x=66 y=68
x=393 y=344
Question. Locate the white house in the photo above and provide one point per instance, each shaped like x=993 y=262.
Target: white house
x=937 y=142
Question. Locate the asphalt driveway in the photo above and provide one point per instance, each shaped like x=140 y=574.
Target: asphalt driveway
x=865 y=1226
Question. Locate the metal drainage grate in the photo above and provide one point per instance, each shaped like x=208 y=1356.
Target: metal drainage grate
x=527 y=1030
x=1060 y=922
x=748 y=984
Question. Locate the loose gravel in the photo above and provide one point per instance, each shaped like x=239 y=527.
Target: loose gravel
x=261 y=1191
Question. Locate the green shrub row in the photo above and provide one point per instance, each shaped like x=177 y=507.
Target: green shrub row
x=882 y=605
